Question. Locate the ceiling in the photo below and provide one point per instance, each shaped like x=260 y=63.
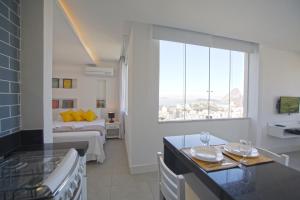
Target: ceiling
x=271 y=22
x=67 y=48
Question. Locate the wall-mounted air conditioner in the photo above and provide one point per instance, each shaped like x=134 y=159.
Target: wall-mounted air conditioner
x=99 y=71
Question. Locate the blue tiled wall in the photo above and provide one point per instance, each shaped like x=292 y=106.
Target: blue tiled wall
x=9 y=66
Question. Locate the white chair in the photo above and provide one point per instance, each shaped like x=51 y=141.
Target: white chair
x=171 y=186
x=282 y=158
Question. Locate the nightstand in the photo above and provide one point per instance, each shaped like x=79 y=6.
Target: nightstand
x=112 y=129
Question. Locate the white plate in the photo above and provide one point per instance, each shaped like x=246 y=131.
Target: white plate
x=207 y=153
x=234 y=148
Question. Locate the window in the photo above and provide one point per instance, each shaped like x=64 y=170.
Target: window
x=198 y=82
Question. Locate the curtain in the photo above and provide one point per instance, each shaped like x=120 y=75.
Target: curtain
x=123 y=94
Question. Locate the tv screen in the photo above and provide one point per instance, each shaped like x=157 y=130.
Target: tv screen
x=289 y=105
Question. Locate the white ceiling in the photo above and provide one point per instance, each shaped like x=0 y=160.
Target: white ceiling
x=67 y=48
x=271 y=22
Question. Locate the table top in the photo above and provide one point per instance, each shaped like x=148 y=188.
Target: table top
x=260 y=182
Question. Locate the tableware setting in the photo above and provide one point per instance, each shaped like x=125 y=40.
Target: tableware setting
x=209 y=158
x=207 y=153
x=244 y=153
x=241 y=149
x=212 y=158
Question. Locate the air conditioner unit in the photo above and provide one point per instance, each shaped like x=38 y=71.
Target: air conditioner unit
x=99 y=71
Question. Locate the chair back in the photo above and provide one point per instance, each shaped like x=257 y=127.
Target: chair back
x=282 y=158
x=171 y=186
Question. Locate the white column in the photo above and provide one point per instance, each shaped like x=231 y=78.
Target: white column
x=47 y=66
x=36 y=65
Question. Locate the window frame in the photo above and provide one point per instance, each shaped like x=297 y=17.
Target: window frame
x=245 y=95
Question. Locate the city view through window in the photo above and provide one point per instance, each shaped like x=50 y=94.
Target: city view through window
x=198 y=82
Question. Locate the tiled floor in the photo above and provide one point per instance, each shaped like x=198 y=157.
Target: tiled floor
x=112 y=181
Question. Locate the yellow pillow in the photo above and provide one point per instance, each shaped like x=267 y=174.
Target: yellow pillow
x=67 y=116
x=89 y=116
x=77 y=116
x=81 y=112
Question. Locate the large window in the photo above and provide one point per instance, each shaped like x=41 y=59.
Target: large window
x=198 y=82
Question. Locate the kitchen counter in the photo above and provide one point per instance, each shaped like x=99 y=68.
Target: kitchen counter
x=81 y=147
x=27 y=140
x=260 y=182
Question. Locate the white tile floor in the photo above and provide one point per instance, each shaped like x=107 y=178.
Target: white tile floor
x=112 y=181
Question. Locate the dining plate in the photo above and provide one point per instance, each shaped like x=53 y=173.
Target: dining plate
x=207 y=153
x=234 y=148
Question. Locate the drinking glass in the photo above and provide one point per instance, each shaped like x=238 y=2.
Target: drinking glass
x=245 y=149
x=205 y=137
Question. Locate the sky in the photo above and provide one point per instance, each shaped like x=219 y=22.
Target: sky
x=172 y=65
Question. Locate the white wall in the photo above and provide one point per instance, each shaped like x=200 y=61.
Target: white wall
x=280 y=72
x=145 y=133
x=47 y=74
x=86 y=91
x=36 y=62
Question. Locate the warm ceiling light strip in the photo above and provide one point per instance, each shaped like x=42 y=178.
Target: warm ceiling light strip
x=75 y=26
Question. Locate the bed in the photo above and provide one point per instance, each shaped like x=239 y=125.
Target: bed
x=96 y=125
x=95 y=150
x=93 y=132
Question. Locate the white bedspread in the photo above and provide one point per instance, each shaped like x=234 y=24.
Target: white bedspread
x=96 y=141
x=59 y=124
x=97 y=125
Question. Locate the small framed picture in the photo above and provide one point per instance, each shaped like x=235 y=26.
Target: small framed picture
x=55 y=103
x=68 y=104
x=67 y=83
x=100 y=103
x=55 y=82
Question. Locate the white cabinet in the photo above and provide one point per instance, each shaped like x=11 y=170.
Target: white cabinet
x=278 y=129
x=112 y=129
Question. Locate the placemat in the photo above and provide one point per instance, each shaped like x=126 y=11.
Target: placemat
x=249 y=161
x=226 y=163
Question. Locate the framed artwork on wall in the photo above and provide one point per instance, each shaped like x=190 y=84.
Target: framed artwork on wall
x=100 y=103
x=55 y=103
x=67 y=83
x=67 y=104
x=55 y=82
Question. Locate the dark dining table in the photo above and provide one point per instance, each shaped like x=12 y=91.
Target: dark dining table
x=266 y=181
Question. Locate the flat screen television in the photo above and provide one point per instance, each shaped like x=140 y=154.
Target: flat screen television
x=288 y=105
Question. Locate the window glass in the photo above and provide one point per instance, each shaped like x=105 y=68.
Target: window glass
x=171 y=90
x=219 y=83
x=237 y=84
x=197 y=82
